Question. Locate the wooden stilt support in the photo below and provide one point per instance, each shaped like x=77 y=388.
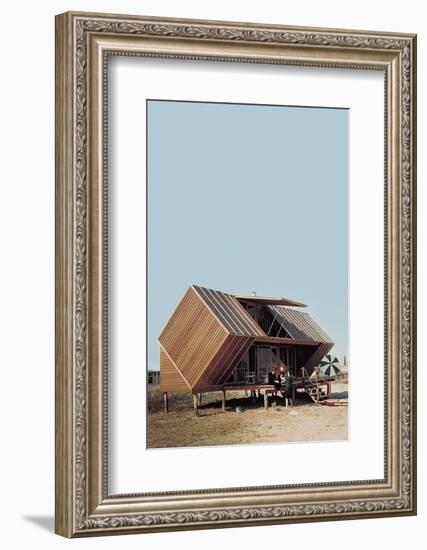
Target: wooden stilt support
x=200 y=398
x=196 y=404
x=329 y=384
x=224 y=399
x=317 y=386
x=165 y=402
x=265 y=400
x=293 y=393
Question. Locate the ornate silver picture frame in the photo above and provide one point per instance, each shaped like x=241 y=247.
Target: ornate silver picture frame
x=84 y=506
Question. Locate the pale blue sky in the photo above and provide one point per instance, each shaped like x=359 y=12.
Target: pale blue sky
x=248 y=197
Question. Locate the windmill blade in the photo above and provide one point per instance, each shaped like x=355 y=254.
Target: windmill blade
x=329 y=366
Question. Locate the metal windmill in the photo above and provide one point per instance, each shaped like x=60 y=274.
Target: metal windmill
x=329 y=366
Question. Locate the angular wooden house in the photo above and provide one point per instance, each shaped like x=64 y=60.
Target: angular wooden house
x=216 y=340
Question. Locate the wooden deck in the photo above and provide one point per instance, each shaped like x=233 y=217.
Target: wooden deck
x=265 y=389
x=314 y=390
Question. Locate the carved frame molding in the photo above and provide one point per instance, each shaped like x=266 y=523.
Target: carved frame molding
x=83 y=43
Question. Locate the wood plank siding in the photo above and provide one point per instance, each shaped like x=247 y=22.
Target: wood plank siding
x=192 y=337
x=317 y=356
x=226 y=359
x=170 y=378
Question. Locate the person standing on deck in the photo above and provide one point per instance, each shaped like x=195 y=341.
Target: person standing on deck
x=274 y=379
x=287 y=387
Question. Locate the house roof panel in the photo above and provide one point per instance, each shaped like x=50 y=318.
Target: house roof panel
x=229 y=312
x=299 y=324
x=268 y=300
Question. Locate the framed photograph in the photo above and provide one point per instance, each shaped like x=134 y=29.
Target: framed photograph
x=235 y=274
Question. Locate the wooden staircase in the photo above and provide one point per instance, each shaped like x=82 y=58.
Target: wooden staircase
x=316 y=395
x=314 y=389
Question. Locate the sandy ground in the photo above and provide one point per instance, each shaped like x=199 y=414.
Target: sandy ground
x=305 y=421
